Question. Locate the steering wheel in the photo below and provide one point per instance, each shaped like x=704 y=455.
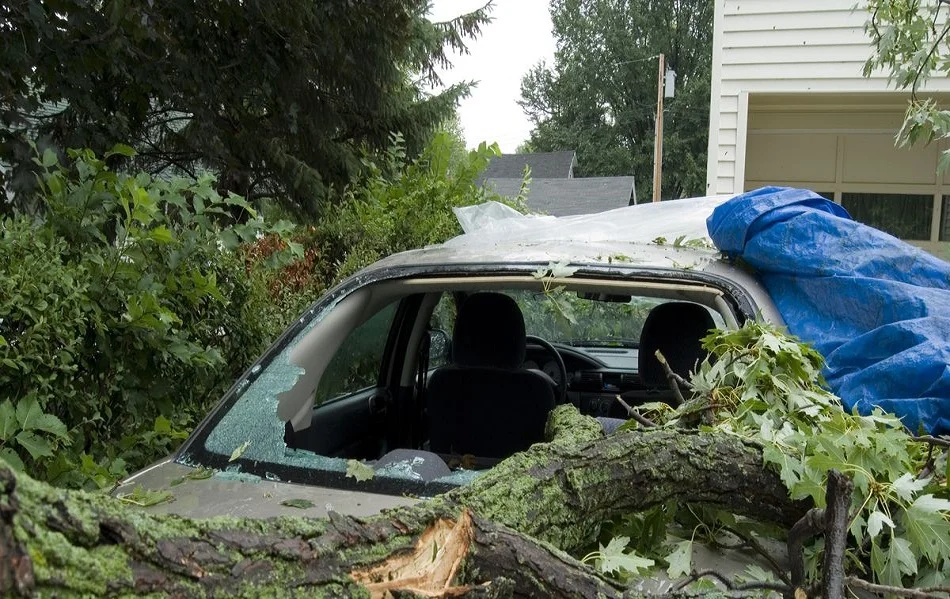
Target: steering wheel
x=561 y=392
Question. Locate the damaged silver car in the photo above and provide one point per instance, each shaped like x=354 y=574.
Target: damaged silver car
x=427 y=368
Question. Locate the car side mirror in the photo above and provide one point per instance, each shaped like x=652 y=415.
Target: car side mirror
x=440 y=348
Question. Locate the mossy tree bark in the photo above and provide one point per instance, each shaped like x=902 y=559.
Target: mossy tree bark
x=504 y=535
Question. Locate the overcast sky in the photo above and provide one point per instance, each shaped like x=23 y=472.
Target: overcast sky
x=516 y=40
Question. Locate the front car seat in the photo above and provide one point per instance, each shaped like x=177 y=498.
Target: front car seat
x=677 y=330
x=484 y=403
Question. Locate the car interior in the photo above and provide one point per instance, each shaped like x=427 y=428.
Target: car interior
x=448 y=367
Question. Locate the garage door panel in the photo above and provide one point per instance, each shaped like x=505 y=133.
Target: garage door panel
x=873 y=158
x=791 y=157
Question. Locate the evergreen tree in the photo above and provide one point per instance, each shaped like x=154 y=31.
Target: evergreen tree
x=275 y=98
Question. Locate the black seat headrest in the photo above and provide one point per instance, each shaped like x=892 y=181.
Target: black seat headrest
x=676 y=329
x=489 y=331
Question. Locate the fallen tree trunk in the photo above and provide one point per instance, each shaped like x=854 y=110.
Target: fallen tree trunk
x=504 y=535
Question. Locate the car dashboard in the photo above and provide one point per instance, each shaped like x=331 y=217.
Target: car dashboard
x=596 y=376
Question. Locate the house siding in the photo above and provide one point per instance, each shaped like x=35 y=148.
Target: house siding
x=780 y=46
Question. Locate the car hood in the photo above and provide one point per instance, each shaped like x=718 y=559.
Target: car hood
x=246 y=496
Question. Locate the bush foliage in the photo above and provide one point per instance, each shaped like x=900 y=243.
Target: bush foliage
x=131 y=302
x=123 y=312
x=400 y=206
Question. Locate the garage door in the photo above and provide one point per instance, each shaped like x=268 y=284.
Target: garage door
x=849 y=156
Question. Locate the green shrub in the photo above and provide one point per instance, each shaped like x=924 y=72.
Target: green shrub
x=124 y=312
x=400 y=206
x=131 y=303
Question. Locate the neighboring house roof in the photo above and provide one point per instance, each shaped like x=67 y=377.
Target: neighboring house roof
x=544 y=165
x=566 y=197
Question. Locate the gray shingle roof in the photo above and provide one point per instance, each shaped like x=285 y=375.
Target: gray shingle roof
x=566 y=197
x=544 y=165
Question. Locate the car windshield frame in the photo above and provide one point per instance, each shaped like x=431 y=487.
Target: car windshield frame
x=193 y=453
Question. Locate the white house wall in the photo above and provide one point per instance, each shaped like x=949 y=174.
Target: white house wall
x=780 y=47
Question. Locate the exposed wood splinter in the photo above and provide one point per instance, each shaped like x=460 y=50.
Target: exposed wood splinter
x=430 y=569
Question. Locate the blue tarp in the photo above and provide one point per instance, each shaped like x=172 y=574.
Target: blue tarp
x=877 y=308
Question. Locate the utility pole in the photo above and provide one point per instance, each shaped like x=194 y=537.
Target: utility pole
x=658 y=137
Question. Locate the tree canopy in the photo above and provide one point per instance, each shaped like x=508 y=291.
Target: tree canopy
x=599 y=96
x=912 y=45
x=275 y=99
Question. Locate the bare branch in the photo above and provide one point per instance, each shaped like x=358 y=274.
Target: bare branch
x=882 y=589
x=635 y=414
x=938 y=441
x=812 y=523
x=752 y=542
x=837 y=499
x=673 y=378
x=730 y=584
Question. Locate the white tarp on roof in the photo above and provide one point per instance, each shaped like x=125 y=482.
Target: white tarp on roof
x=491 y=223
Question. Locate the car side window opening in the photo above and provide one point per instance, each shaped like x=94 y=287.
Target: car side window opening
x=356 y=364
x=252 y=426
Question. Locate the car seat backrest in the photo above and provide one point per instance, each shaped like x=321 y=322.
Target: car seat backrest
x=675 y=329
x=485 y=403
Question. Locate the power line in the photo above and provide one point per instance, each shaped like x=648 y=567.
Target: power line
x=654 y=57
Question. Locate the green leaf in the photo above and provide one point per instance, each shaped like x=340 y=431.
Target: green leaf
x=298 y=503
x=680 y=560
x=49 y=423
x=11 y=458
x=36 y=446
x=200 y=474
x=900 y=560
x=613 y=559
x=561 y=269
x=197 y=474
x=756 y=573
x=239 y=450
x=121 y=150
x=229 y=238
x=49 y=158
x=927 y=524
x=145 y=497
x=8 y=420
x=540 y=273
x=28 y=410
x=790 y=469
x=161 y=234
x=907 y=486
x=162 y=425
x=876 y=522
x=360 y=471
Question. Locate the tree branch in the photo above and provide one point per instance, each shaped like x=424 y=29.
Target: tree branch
x=837 y=500
x=938 y=441
x=730 y=584
x=524 y=513
x=674 y=379
x=635 y=414
x=758 y=548
x=882 y=589
x=812 y=523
